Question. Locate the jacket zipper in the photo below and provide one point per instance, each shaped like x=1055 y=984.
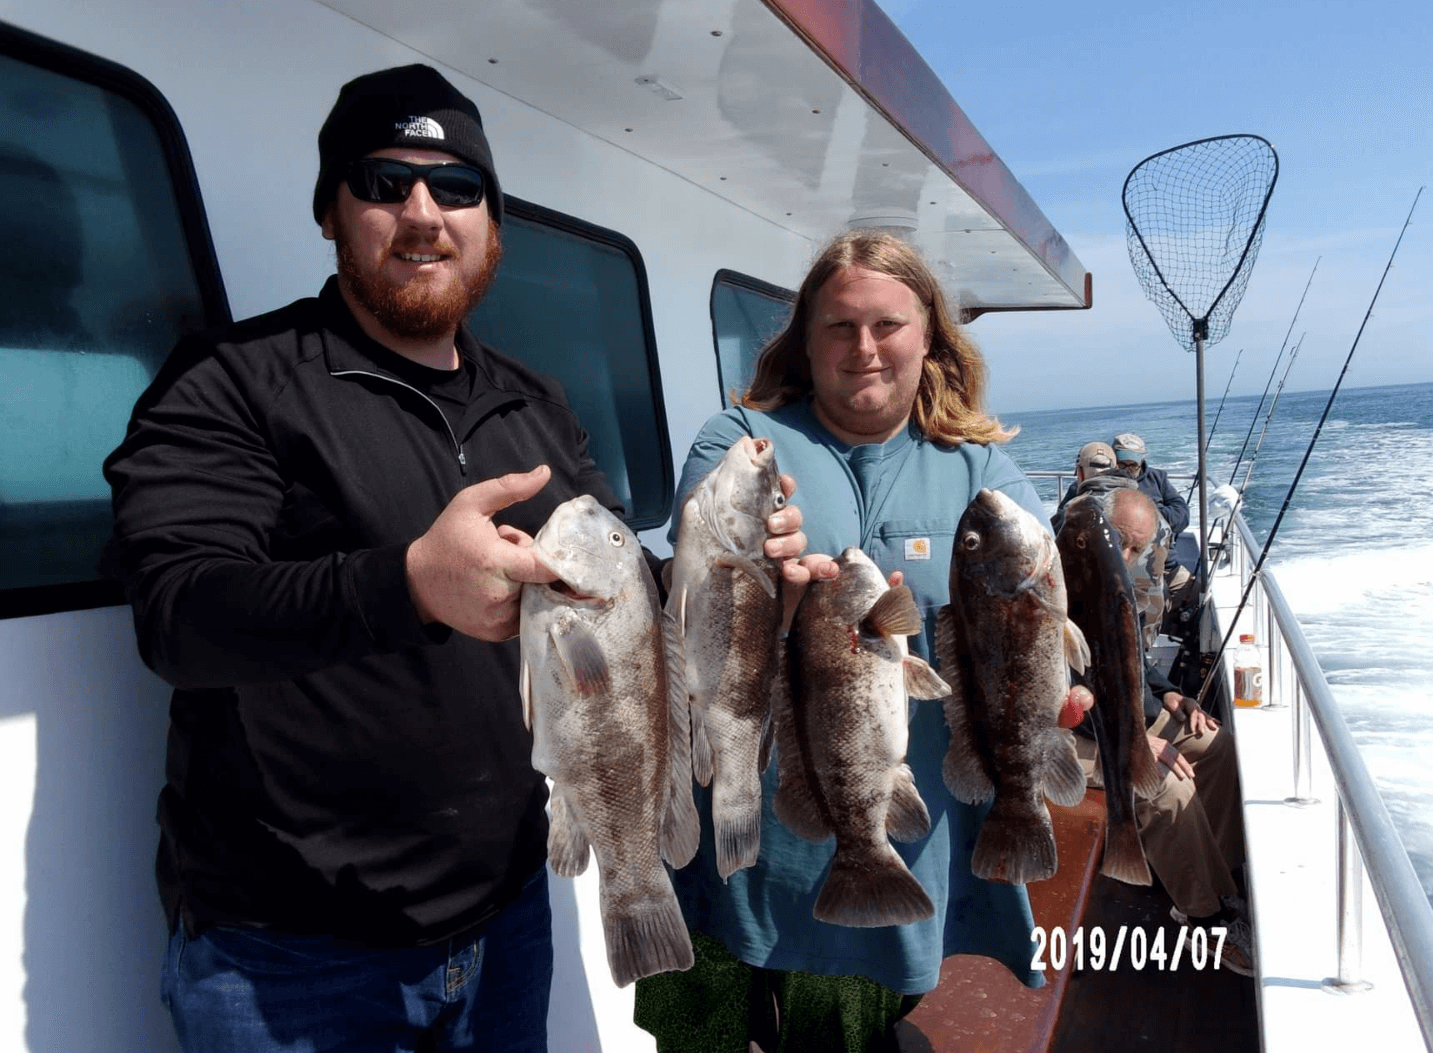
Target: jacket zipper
x=457 y=446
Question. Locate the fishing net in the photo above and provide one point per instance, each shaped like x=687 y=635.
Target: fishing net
x=1195 y=220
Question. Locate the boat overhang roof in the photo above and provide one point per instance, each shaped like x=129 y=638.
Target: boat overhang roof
x=812 y=114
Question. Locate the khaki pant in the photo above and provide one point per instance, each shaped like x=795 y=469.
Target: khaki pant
x=1193 y=829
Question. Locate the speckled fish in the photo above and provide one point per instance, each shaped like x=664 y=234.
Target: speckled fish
x=725 y=602
x=1004 y=643
x=609 y=733
x=1103 y=604
x=841 y=741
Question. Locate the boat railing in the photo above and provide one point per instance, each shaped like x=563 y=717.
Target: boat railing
x=1295 y=679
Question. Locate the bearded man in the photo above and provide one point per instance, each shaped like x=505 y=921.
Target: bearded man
x=323 y=519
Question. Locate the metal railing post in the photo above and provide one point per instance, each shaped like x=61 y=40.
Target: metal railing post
x=1303 y=753
x=1349 y=910
x=1274 y=680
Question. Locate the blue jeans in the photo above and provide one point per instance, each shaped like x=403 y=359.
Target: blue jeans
x=238 y=990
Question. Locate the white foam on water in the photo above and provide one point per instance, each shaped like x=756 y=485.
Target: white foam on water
x=1368 y=615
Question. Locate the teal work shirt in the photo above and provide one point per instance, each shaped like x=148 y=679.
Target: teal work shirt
x=900 y=502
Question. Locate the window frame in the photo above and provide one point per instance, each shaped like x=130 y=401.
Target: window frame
x=85 y=67
x=726 y=276
x=580 y=228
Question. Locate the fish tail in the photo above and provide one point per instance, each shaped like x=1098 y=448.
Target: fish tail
x=1016 y=843
x=1124 y=855
x=646 y=937
x=736 y=822
x=868 y=891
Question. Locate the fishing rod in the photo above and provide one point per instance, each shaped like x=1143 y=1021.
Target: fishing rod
x=1254 y=457
x=1248 y=471
x=1270 y=381
x=1215 y=426
x=1259 y=564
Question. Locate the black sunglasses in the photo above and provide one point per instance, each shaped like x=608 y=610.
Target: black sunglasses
x=385 y=181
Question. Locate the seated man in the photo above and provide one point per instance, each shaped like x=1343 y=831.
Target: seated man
x=1193 y=841
x=1130 y=452
x=1094 y=459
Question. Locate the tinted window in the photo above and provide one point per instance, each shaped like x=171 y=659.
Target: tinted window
x=746 y=313
x=96 y=285
x=570 y=299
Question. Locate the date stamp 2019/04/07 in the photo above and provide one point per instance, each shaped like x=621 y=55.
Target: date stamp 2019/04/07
x=1130 y=947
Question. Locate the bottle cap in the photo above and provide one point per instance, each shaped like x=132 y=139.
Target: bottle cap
x=1246 y=637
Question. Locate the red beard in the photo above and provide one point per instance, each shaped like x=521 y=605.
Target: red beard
x=415 y=310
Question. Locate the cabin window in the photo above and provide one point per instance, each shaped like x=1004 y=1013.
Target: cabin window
x=571 y=301
x=746 y=313
x=101 y=228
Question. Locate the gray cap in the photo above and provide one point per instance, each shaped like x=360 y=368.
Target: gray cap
x=1095 y=457
x=1128 y=446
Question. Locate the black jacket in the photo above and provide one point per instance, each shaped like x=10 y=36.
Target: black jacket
x=1154 y=483
x=334 y=766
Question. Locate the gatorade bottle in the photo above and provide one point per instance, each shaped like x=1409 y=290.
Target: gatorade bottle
x=1248 y=677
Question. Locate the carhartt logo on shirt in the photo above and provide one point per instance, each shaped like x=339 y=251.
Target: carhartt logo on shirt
x=917 y=548
x=419 y=128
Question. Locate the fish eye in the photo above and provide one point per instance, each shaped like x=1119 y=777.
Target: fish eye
x=617 y=539
x=970 y=542
x=780 y=499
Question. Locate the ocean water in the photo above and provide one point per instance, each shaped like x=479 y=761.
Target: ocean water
x=1354 y=554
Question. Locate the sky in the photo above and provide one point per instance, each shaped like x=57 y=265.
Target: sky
x=1081 y=93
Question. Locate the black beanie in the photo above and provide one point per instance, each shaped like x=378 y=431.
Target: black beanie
x=406 y=106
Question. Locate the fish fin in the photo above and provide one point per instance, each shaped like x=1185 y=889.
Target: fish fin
x=701 y=748
x=906 y=817
x=582 y=659
x=768 y=740
x=681 y=827
x=742 y=565
x=524 y=692
x=921 y=680
x=567 y=845
x=945 y=640
x=736 y=822
x=646 y=937
x=866 y=891
x=894 y=614
x=964 y=768
x=1016 y=844
x=1077 y=649
x=795 y=802
x=1145 y=775
x=1124 y=855
x=1064 y=778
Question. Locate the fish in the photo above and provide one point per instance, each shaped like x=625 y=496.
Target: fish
x=610 y=730
x=1102 y=603
x=841 y=727
x=1005 y=644
x=725 y=602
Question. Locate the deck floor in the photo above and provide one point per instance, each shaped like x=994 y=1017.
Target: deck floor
x=1124 y=1011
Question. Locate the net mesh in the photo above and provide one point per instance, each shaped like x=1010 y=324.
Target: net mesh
x=1195 y=220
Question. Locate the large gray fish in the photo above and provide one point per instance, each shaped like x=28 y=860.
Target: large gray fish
x=609 y=733
x=1103 y=605
x=725 y=603
x=1005 y=644
x=841 y=737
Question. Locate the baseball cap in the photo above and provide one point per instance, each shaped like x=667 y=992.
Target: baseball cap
x=1095 y=457
x=1128 y=446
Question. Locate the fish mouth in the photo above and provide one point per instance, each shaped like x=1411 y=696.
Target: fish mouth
x=760 y=451
x=573 y=595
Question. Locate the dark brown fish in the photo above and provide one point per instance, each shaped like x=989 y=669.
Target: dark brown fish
x=725 y=603
x=609 y=733
x=841 y=738
x=1005 y=645
x=1103 y=605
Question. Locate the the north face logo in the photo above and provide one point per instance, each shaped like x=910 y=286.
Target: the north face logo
x=419 y=128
